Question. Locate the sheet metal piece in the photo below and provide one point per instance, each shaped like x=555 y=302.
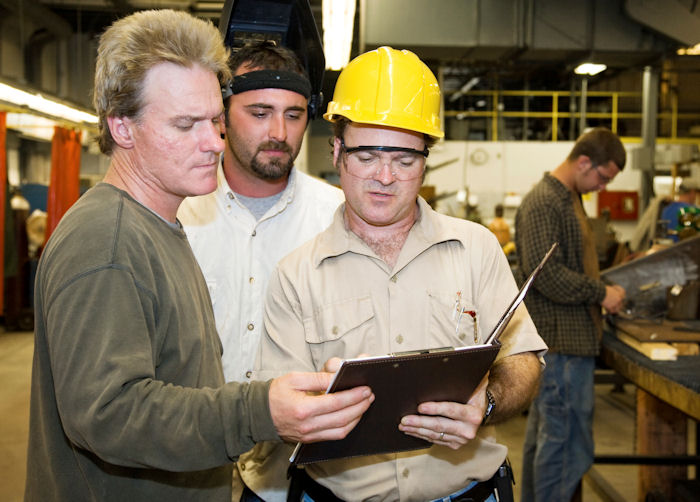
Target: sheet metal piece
x=648 y=279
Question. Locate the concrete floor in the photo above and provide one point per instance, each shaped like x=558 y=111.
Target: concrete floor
x=614 y=427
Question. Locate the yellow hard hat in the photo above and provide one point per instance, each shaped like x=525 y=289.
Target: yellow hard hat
x=391 y=88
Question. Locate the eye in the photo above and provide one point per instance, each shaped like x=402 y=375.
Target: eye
x=407 y=161
x=365 y=157
x=184 y=126
x=259 y=113
x=295 y=115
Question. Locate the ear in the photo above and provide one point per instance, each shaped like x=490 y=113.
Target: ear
x=121 y=130
x=583 y=163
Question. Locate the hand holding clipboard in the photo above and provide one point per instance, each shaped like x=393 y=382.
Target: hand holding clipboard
x=400 y=382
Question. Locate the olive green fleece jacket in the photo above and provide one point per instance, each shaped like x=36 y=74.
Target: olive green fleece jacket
x=128 y=400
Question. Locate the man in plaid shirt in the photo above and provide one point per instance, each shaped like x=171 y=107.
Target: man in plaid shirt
x=565 y=304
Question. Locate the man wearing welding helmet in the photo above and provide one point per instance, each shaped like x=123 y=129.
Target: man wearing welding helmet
x=388 y=276
x=262 y=209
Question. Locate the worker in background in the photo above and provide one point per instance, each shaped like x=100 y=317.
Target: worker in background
x=263 y=208
x=673 y=211
x=499 y=226
x=660 y=225
x=389 y=275
x=565 y=303
x=128 y=400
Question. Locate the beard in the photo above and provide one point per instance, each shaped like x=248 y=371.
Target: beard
x=276 y=168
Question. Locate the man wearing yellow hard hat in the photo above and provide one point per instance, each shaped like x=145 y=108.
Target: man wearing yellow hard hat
x=392 y=275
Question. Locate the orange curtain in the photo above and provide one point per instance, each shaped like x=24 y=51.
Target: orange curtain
x=3 y=202
x=64 y=188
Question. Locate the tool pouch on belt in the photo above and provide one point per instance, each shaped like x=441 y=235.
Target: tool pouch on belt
x=503 y=481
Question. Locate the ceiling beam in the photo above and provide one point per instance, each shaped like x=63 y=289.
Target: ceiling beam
x=40 y=15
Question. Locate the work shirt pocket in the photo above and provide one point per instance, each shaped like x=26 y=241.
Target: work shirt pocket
x=446 y=325
x=340 y=329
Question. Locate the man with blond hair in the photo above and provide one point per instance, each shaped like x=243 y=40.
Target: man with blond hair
x=128 y=400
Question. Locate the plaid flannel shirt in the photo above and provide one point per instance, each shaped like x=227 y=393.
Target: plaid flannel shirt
x=560 y=300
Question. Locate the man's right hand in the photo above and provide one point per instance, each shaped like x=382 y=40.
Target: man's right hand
x=614 y=299
x=301 y=411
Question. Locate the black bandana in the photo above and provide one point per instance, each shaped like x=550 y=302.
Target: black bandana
x=268 y=79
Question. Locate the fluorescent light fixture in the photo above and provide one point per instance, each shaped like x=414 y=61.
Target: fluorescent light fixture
x=689 y=51
x=30 y=125
x=589 y=69
x=465 y=89
x=46 y=106
x=338 y=21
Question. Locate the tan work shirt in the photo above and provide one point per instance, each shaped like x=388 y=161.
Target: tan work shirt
x=334 y=297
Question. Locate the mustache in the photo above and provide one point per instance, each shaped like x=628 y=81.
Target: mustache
x=275 y=145
x=376 y=186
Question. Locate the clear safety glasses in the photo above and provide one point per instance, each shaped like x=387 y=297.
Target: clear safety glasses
x=367 y=161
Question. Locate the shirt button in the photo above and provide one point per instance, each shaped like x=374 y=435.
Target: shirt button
x=254 y=233
x=393 y=278
x=241 y=467
x=405 y=473
x=251 y=280
x=230 y=195
x=335 y=330
x=251 y=326
x=399 y=339
x=248 y=374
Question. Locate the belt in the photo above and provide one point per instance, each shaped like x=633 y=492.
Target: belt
x=303 y=483
x=477 y=493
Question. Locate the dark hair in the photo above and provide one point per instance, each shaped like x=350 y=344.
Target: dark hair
x=601 y=145
x=498 y=210
x=264 y=55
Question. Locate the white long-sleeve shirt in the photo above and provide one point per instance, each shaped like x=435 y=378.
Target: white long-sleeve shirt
x=237 y=254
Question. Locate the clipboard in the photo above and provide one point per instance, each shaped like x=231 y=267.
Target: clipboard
x=401 y=382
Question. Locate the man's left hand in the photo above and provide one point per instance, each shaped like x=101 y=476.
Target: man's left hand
x=447 y=423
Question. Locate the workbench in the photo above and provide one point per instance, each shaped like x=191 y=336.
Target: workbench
x=668 y=394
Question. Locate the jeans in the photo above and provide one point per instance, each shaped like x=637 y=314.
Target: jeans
x=492 y=498
x=558 y=447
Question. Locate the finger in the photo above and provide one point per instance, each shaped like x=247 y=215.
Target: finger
x=336 y=424
x=439 y=438
x=332 y=365
x=425 y=423
x=442 y=408
x=319 y=382
x=471 y=412
x=310 y=382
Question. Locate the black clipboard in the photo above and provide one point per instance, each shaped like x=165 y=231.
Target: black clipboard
x=401 y=382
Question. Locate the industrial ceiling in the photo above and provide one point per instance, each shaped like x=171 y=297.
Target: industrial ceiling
x=533 y=39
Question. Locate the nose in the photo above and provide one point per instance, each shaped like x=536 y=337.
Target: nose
x=278 y=128
x=384 y=174
x=212 y=140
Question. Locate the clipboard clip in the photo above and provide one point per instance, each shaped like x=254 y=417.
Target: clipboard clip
x=420 y=352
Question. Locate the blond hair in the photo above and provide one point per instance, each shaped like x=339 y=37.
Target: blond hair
x=135 y=44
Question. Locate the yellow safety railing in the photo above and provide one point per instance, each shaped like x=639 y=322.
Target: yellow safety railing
x=669 y=118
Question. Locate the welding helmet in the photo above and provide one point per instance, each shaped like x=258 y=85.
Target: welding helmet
x=288 y=23
x=388 y=87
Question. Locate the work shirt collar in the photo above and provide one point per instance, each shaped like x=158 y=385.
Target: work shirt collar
x=559 y=188
x=427 y=231
x=225 y=194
